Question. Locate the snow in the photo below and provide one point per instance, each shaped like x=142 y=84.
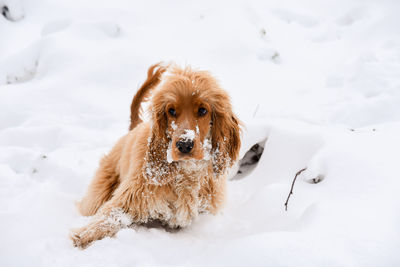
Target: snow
x=317 y=82
x=187 y=135
x=207 y=146
x=173 y=125
x=169 y=153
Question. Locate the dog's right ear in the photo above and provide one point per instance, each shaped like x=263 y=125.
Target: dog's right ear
x=154 y=75
x=159 y=121
x=157 y=169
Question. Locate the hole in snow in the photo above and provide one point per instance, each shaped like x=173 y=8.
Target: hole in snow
x=250 y=160
x=316 y=180
x=16 y=15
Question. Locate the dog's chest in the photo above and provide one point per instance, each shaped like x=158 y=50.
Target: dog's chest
x=177 y=202
x=180 y=199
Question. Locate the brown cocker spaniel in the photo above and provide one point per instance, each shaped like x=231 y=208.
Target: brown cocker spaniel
x=171 y=168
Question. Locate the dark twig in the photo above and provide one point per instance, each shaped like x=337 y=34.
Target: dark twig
x=291 y=188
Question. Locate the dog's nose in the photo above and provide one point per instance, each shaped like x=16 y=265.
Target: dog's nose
x=185 y=146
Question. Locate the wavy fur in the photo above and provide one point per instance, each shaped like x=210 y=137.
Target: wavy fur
x=145 y=177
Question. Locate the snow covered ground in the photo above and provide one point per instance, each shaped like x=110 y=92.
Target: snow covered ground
x=319 y=81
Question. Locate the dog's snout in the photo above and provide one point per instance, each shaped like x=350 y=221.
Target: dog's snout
x=185 y=146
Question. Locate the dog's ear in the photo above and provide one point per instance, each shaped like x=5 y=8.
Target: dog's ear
x=158 y=170
x=159 y=119
x=225 y=135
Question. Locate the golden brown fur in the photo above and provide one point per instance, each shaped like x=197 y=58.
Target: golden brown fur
x=146 y=176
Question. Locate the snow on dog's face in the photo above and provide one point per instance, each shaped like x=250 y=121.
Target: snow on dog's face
x=194 y=116
x=189 y=120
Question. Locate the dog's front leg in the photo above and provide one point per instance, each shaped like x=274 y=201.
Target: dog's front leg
x=212 y=194
x=106 y=223
x=187 y=208
x=119 y=212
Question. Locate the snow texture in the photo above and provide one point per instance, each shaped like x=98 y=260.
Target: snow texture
x=188 y=135
x=207 y=146
x=173 y=125
x=169 y=153
x=317 y=83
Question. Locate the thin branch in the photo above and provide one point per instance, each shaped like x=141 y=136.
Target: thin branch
x=291 y=189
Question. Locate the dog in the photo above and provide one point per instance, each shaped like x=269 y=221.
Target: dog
x=170 y=169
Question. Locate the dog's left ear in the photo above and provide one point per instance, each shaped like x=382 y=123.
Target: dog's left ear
x=225 y=136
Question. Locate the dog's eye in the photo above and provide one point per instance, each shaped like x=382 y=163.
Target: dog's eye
x=172 y=112
x=202 y=111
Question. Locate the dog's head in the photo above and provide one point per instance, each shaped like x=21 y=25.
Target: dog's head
x=194 y=116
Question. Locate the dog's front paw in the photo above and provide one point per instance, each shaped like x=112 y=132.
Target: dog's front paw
x=183 y=217
x=80 y=238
